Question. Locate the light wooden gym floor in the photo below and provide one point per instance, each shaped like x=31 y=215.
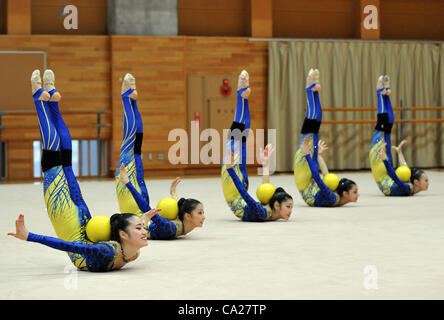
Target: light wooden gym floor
x=394 y=243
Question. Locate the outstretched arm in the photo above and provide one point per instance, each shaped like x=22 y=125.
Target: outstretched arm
x=392 y=174
x=23 y=234
x=20 y=230
x=162 y=228
x=239 y=185
x=141 y=202
x=174 y=186
x=322 y=146
x=398 y=149
x=315 y=174
x=305 y=149
x=390 y=171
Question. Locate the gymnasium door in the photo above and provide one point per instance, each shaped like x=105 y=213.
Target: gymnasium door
x=208 y=104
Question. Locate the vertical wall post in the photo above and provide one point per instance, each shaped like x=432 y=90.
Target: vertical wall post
x=261 y=18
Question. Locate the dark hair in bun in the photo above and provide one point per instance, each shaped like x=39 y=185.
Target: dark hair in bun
x=280 y=195
x=186 y=206
x=344 y=185
x=416 y=174
x=120 y=221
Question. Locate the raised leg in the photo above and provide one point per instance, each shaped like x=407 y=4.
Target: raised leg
x=138 y=151
x=62 y=211
x=391 y=118
x=66 y=146
x=313 y=112
x=236 y=144
x=242 y=122
x=385 y=113
x=126 y=200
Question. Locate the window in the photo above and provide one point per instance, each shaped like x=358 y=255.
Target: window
x=37 y=155
x=84 y=158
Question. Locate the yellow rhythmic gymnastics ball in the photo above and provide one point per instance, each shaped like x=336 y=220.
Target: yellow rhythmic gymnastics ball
x=98 y=229
x=331 y=181
x=170 y=208
x=403 y=173
x=264 y=192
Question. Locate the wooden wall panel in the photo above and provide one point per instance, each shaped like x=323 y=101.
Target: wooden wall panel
x=19 y=158
x=18 y=16
x=47 y=17
x=161 y=66
x=81 y=65
x=214 y=18
x=412 y=20
x=82 y=68
x=89 y=70
x=261 y=18
x=316 y=19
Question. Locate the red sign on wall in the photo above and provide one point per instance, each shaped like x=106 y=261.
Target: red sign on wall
x=225 y=89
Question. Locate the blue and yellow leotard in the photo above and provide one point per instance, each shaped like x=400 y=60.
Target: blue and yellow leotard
x=235 y=179
x=66 y=209
x=305 y=167
x=245 y=207
x=310 y=185
x=130 y=156
x=385 y=177
x=133 y=197
x=158 y=228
